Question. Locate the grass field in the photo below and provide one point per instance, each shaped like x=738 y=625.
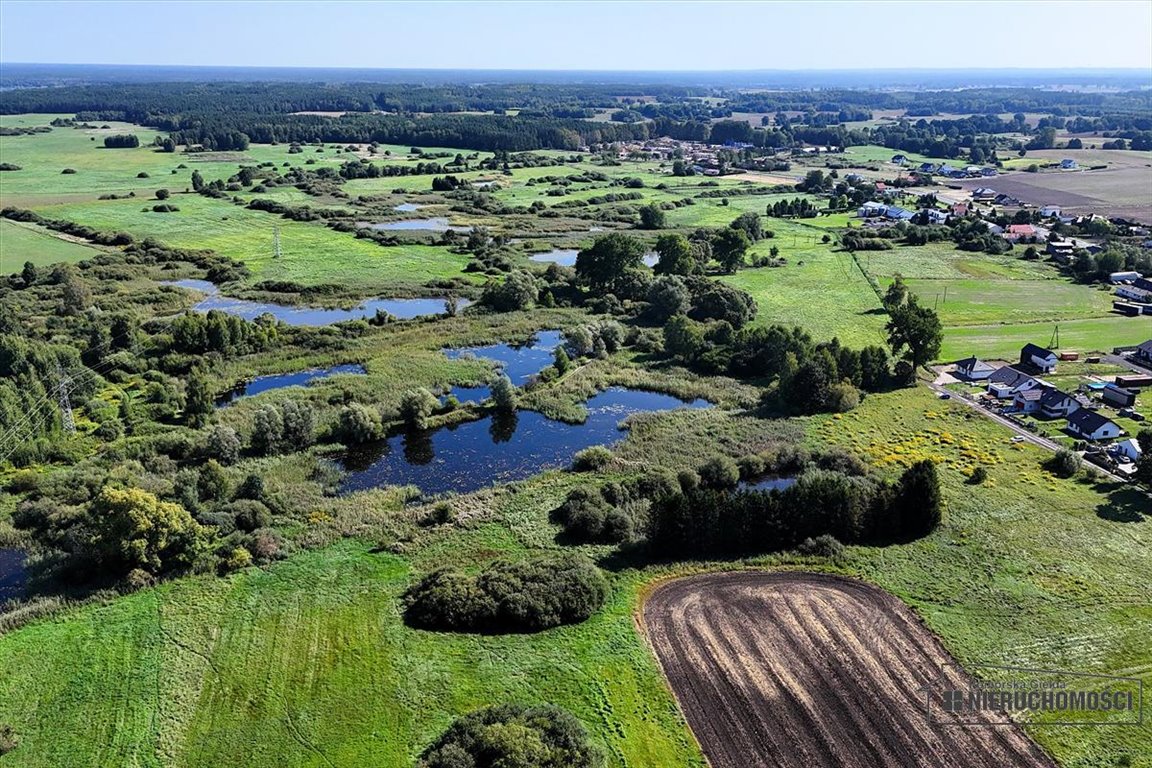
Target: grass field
x=21 y=242
x=306 y=663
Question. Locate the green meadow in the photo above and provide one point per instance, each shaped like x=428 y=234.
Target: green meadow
x=20 y=243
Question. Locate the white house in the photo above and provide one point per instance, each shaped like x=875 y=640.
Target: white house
x=1007 y=381
x=1028 y=400
x=1044 y=359
x=1090 y=425
x=974 y=369
x=1057 y=405
x=1123 y=277
x=1050 y=211
x=1129 y=448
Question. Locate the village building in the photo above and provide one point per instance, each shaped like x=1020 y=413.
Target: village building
x=974 y=369
x=1117 y=396
x=1090 y=425
x=1038 y=357
x=1007 y=381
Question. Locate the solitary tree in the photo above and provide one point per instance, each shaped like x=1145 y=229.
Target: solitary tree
x=652 y=216
x=915 y=332
x=675 y=254
x=729 y=247
x=504 y=393
x=609 y=260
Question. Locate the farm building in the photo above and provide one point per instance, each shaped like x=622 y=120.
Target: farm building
x=1118 y=397
x=1050 y=211
x=1090 y=425
x=871 y=210
x=974 y=369
x=1044 y=359
x=1124 y=308
x=899 y=159
x=934 y=216
x=1133 y=293
x=1007 y=381
x=1060 y=249
x=1123 y=277
x=989 y=172
x=1134 y=380
x=1068 y=164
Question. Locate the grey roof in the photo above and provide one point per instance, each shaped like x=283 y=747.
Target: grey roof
x=1008 y=375
x=1146 y=347
x=1054 y=398
x=973 y=364
x=1087 y=421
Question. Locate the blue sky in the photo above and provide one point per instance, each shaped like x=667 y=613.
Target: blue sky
x=582 y=35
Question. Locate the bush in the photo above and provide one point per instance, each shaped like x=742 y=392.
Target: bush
x=719 y=472
x=587 y=517
x=514 y=736
x=1065 y=463
x=978 y=476
x=358 y=424
x=822 y=546
x=249 y=514
x=591 y=459
x=525 y=596
x=416 y=405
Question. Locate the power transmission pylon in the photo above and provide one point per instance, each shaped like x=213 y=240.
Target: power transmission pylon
x=1054 y=342
x=63 y=382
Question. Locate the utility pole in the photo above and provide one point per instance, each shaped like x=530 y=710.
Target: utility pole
x=63 y=382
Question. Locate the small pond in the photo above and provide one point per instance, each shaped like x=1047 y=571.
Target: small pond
x=519 y=363
x=566 y=257
x=497 y=449
x=768 y=484
x=403 y=309
x=280 y=380
x=434 y=224
x=407 y=207
x=13 y=577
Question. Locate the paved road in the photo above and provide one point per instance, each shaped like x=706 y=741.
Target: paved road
x=1030 y=437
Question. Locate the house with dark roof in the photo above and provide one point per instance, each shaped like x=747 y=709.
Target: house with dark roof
x=899 y=159
x=1055 y=404
x=983 y=194
x=927 y=167
x=1038 y=357
x=1144 y=352
x=1068 y=164
x=1090 y=425
x=1007 y=381
x=1028 y=400
x=974 y=369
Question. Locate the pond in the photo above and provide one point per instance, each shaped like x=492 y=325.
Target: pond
x=407 y=207
x=280 y=380
x=519 y=362
x=497 y=449
x=13 y=577
x=403 y=309
x=566 y=257
x=768 y=484
x=434 y=224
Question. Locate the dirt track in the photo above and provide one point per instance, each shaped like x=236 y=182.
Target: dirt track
x=811 y=671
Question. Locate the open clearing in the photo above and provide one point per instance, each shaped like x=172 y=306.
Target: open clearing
x=799 y=669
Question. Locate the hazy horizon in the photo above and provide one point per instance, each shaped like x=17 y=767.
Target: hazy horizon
x=581 y=36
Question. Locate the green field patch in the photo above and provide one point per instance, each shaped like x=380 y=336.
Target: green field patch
x=21 y=242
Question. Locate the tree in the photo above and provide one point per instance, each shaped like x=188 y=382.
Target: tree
x=652 y=216
x=504 y=393
x=668 y=297
x=29 y=274
x=416 y=405
x=606 y=264
x=222 y=444
x=267 y=431
x=918 y=505
x=750 y=224
x=358 y=424
x=729 y=247
x=197 y=181
x=896 y=294
x=299 y=424
x=1144 y=463
x=199 y=403
x=514 y=736
x=560 y=361
x=675 y=254
x=915 y=332
x=163 y=194
x=683 y=338
x=134 y=529
x=518 y=291
x=75 y=294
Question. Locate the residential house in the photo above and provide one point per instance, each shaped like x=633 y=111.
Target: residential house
x=1007 y=381
x=1090 y=425
x=1020 y=232
x=1061 y=250
x=959 y=209
x=1144 y=352
x=974 y=369
x=899 y=159
x=1055 y=404
x=988 y=172
x=1118 y=397
x=983 y=194
x=1068 y=164
x=1124 y=277
x=1050 y=211
x=934 y=216
x=1129 y=448
x=1038 y=357
x=1028 y=400
x=898 y=213
x=927 y=167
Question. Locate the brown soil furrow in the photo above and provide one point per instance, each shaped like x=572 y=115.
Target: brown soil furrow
x=786 y=669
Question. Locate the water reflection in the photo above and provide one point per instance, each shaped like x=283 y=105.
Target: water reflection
x=280 y=380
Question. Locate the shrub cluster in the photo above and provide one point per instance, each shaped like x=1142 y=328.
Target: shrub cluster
x=525 y=596
x=514 y=736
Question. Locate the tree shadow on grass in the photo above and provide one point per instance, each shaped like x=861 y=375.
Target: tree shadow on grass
x=1125 y=506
